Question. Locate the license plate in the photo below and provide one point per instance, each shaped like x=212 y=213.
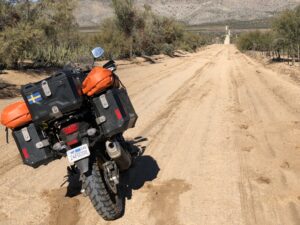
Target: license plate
x=78 y=153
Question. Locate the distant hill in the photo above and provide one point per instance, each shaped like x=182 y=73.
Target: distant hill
x=192 y=12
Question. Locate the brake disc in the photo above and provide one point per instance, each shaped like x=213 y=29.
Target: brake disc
x=111 y=175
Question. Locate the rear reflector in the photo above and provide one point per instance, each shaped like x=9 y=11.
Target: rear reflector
x=71 y=129
x=25 y=153
x=73 y=142
x=118 y=114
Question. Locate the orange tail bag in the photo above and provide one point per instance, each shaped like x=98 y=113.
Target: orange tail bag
x=15 y=115
x=97 y=80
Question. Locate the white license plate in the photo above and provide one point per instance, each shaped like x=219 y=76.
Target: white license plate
x=78 y=153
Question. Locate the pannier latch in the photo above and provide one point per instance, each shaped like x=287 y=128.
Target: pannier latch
x=46 y=88
x=42 y=144
x=25 y=134
x=104 y=101
x=56 y=112
x=100 y=120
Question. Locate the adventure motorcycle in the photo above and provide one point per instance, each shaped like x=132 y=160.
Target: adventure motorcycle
x=81 y=115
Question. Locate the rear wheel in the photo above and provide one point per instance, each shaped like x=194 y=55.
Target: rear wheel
x=108 y=203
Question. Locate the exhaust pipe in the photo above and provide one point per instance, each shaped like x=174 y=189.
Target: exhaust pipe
x=118 y=154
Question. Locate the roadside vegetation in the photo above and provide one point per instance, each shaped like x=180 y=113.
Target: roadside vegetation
x=45 y=33
x=282 y=42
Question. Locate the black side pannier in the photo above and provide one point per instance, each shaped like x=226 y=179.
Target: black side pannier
x=114 y=112
x=53 y=97
x=33 y=145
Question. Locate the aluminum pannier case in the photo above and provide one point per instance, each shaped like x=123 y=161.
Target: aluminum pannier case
x=33 y=145
x=53 y=97
x=114 y=112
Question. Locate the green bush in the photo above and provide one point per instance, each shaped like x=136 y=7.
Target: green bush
x=46 y=33
x=17 y=44
x=113 y=40
x=283 y=38
x=134 y=32
x=256 y=40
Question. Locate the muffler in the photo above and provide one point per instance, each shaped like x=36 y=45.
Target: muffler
x=118 y=154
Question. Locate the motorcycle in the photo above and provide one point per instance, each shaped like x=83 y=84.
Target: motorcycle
x=90 y=135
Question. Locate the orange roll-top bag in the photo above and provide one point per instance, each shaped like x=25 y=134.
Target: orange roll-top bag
x=97 y=80
x=15 y=115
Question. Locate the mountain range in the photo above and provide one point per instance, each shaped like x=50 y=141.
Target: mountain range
x=192 y=12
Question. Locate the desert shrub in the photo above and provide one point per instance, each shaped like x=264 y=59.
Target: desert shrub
x=192 y=41
x=8 y=15
x=17 y=44
x=46 y=33
x=43 y=31
x=113 y=40
x=256 y=40
x=62 y=41
x=134 y=32
x=283 y=38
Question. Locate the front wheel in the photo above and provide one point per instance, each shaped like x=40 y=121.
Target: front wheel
x=108 y=204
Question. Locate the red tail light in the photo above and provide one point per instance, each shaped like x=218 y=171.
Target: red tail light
x=71 y=129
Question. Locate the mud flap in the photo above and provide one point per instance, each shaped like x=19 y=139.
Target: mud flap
x=83 y=165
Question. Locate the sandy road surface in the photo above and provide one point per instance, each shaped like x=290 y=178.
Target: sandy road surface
x=221 y=137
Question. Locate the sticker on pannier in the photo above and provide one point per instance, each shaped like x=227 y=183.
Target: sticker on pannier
x=53 y=97
x=34 y=98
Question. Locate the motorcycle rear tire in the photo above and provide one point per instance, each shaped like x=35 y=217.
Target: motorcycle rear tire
x=110 y=206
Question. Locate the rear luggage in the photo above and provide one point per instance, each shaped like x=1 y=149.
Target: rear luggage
x=114 y=112
x=15 y=115
x=33 y=145
x=97 y=80
x=53 y=97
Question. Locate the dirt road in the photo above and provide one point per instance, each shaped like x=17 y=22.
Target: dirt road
x=221 y=139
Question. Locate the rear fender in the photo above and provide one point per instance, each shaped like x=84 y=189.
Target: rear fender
x=83 y=165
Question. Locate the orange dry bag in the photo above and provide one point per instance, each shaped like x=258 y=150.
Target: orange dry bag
x=15 y=115
x=97 y=80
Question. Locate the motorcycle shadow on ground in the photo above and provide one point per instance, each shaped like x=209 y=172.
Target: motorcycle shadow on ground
x=144 y=169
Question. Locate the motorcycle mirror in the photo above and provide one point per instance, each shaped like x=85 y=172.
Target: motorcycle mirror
x=97 y=52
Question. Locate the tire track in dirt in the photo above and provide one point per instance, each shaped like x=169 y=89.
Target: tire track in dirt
x=167 y=72
x=261 y=179
x=9 y=164
x=176 y=99
x=245 y=188
x=257 y=103
x=278 y=87
x=194 y=143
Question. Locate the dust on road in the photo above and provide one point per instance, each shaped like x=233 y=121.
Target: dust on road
x=221 y=138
